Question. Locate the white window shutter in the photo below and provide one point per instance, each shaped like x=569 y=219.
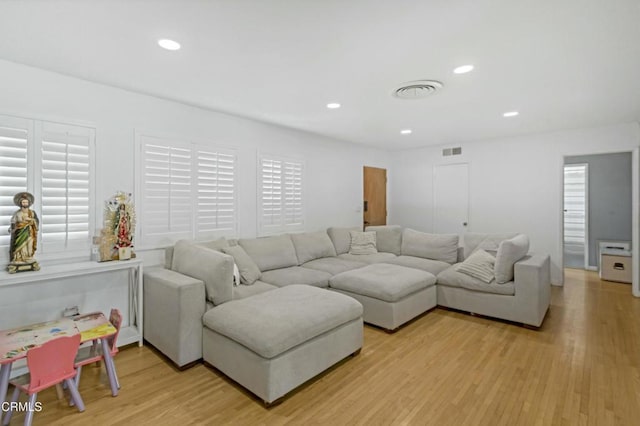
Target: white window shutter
x=14 y=140
x=280 y=196
x=216 y=192
x=65 y=193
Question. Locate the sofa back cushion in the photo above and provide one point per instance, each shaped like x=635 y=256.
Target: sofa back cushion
x=341 y=238
x=474 y=241
x=213 y=268
x=216 y=245
x=442 y=247
x=312 y=245
x=271 y=252
x=247 y=268
x=509 y=252
x=388 y=238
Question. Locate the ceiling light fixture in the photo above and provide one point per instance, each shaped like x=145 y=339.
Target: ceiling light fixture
x=405 y=131
x=463 y=69
x=510 y=114
x=333 y=105
x=165 y=43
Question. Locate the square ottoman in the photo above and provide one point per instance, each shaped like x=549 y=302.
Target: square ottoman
x=275 y=341
x=390 y=294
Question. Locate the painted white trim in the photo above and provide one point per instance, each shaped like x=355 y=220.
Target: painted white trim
x=635 y=221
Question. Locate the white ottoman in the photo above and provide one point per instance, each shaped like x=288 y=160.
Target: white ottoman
x=390 y=294
x=273 y=342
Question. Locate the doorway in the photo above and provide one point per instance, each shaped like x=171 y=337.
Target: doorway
x=576 y=248
x=375 y=196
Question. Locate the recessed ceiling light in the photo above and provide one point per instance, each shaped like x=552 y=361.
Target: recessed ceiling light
x=510 y=114
x=333 y=105
x=165 y=43
x=405 y=131
x=463 y=69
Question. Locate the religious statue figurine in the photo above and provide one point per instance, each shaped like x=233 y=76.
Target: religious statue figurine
x=24 y=235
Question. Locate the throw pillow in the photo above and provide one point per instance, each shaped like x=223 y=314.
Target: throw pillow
x=479 y=265
x=509 y=252
x=249 y=271
x=363 y=243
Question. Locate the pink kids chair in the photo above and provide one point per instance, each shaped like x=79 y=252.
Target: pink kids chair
x=49 y=364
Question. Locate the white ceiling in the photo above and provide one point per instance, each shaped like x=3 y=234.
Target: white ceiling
x=561 y=64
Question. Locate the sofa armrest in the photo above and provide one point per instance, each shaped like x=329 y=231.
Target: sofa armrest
x=533 y=287
x=173 y=308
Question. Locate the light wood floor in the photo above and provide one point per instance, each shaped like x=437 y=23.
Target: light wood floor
x=445 y=368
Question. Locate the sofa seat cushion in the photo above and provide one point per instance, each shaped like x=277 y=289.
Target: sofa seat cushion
x=333 y=265
x=368 y=258
x=270 y=252
x=428 y=265
x=273 y=322
x=452 y=278
x=244 y=291
x=296 y=275
x=383 y=281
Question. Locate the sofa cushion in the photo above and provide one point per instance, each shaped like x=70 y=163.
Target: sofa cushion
x=443 y=247
x=271 y=252
x=452 y=278
x=473 y=241
x=363 y=243
x=428 y=265
x=479 y=265
x=312 y=245
x=244 y=291
x=249 y=271
x=276 y=321
x=333 y=265
x=341 y=238
x=212 y=244
x=213 y=268
x=368 y=258
x=388 y=238
x=296 y=275
x=383 y=281
x=509 y=252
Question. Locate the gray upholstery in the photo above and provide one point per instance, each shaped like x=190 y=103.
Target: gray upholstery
x=443 y=247
x=296 y=275
x=389 y=283
x=243 y=291
x=173 y=307
x=368 y=258
x=271 y=252
x=212 y=244
x=213 y=268
x=312 y=245
x=276 y=321
x=333 y=265
x=452 y=278
x=249 y=271
x=528 y=305
x=472 y=241
x=388 y=238
x=432 y=266
x=341 y=238
x=509 y=252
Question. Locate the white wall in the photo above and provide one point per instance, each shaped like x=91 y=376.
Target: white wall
x=333 y=168
x=515 y=183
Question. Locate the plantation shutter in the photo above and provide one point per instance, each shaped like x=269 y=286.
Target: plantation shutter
x=216 y=194
x=65 y=192
x=14 y=138
x=166 y=190
x=280 y=195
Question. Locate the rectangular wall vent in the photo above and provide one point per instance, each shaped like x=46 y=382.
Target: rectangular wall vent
x=446 y=152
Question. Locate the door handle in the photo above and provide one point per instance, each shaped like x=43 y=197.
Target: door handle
x=464 y=223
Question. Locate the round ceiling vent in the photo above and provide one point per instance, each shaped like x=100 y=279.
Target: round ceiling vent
x=417 y=89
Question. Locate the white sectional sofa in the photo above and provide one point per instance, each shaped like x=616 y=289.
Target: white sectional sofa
x=421 y=271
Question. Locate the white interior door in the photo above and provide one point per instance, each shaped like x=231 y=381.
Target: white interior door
x=451 y=198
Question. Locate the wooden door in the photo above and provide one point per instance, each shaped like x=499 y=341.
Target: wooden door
x=375 y=196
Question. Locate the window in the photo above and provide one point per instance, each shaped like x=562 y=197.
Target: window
x=280 y=195
x=54 y=162
x=187 y=190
